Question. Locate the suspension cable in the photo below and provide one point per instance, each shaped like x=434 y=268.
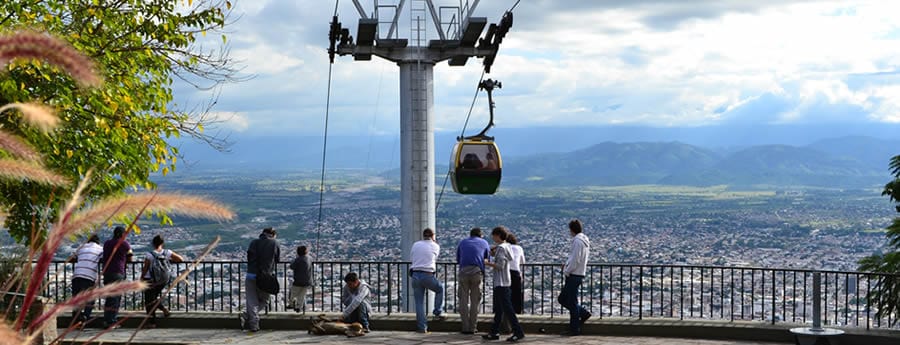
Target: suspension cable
x=462 y=133
x=324 y=150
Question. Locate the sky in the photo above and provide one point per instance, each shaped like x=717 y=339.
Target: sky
x=578 y=63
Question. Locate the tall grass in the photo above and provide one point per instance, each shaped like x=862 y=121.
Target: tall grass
x=24 y=163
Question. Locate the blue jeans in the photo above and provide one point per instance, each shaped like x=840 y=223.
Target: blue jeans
x=420 y=282
x=569 y=300
x=79 y=285
x=503 y=307
x=361 y=315
x=111 y=304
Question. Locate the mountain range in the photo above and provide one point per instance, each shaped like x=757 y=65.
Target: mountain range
x=847 y=162
x=783 y=156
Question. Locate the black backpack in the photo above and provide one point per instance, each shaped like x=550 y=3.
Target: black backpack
x=160 y=270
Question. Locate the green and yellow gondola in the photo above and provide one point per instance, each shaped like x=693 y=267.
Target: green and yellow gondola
x=475 y=164
x=475 y=167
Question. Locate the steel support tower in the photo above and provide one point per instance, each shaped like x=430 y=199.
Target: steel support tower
x=459 y=37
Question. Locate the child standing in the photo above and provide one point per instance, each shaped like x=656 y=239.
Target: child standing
x=302 y=267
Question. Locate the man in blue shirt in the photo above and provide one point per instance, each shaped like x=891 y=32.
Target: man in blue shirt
x=470 y=254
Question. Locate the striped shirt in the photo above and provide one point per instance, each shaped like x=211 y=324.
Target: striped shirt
x=502 y=257
x=88 y=261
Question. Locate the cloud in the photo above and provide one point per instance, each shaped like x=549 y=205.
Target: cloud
x=229 y=120
x=642 y=62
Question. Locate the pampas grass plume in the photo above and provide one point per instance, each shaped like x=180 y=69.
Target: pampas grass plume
x=18 y=147
x=16 y=169
x=38 y=115
x=29 y=44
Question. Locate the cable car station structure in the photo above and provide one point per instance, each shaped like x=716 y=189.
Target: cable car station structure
x=459 y=37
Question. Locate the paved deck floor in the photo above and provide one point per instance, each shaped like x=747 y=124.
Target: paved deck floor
x=230 y=336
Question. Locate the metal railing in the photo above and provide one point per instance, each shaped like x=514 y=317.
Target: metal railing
x=609 y=290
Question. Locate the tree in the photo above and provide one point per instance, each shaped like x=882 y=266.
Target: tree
x=886 y=294
x=120 y=128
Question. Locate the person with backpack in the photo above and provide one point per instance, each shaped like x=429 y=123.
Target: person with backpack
x=157 y=272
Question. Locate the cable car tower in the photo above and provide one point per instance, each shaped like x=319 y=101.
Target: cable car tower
x=459 y=37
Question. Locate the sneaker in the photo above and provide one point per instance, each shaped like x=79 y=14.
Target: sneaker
x=439 y=318
x=491 y=337
x=420 y=331
x=515 y=338
x=585 y=317
x=366 y=329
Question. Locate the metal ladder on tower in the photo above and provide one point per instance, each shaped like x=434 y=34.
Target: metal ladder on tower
x=417 y=22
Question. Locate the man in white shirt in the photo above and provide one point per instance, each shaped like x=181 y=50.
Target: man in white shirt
x=574 y=270
x=86 y=260
x=424 y=255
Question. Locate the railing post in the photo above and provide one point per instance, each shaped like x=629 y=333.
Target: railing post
x=641 y=293
x=817 y=302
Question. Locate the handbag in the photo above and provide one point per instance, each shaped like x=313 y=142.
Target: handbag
x=267 y=282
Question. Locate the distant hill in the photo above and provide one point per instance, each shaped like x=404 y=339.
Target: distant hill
x=382 y=152
x=782 y=165
x=849 y=162
x=873 y=152
x=609 y=164
x=564 y=157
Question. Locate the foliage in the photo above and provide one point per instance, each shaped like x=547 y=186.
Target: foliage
x=120 y=128
x=22 y=163
x=886 y=295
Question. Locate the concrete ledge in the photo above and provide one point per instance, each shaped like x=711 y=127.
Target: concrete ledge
x=656 y=327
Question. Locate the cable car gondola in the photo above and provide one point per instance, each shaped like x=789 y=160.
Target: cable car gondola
x=475 y=164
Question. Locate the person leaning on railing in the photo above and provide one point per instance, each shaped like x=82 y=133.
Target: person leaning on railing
x=152 y=300
x=470 y=254
x=86 y=259
x=262 y=254
x=116 y=252
x=303 y=276
x=423 y=268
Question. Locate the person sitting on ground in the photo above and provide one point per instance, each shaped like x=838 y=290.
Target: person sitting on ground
x=152 y=300
x=355 y=299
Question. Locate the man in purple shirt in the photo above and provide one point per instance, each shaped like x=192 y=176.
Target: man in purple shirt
x=470 y=255
x=116 y=252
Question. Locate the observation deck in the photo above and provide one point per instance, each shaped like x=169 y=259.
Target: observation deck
x=673 y=304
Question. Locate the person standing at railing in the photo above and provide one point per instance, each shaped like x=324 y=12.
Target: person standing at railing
x=86 y=259
x=158 y=277
x=116 y=252
x=423 y=268
x=355 y=299
x=470 y=254
x=515 y=274
x=502 y=281
x=574 y=270
x=262 y=255
x=303 y=277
